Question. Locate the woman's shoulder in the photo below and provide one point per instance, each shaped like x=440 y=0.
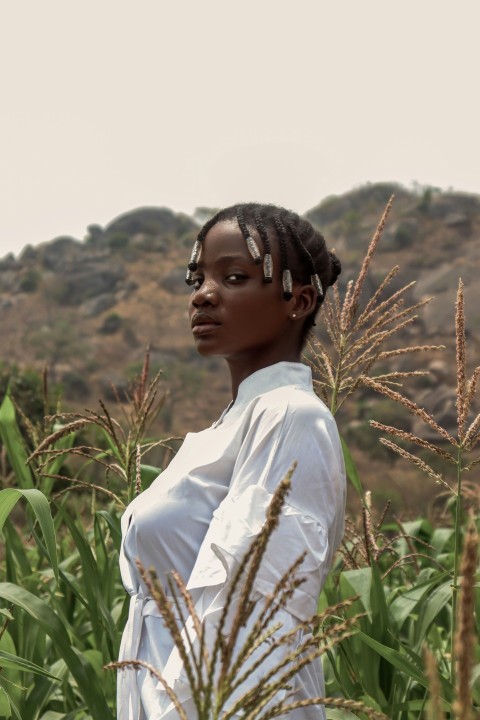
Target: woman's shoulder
x=291 y=412
x=293 y=401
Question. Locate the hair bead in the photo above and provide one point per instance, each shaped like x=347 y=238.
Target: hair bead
x=253 y=250
x=192 y=265
x=267 y=268
x=287 y=284
x=189 y=277
x=315 y=280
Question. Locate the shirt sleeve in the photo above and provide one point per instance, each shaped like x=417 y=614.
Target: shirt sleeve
x=311 y=520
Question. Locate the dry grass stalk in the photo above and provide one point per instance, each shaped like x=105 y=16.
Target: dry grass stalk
x=353 y=301
x=126 y=664
x=361 y=547
x=412 y=408
x=127 y=444
x=472 y=386
x=352 y=705
x=465 y=639
x=46 y=444
x=434 y=704
x=371 y=546
x=416 y=461
x=410 y=437
x=461 y=361
x=466 y=440
x=471 y=436
x=359 y=338
x=138 y=470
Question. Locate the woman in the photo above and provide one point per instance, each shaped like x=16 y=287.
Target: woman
x=259 y=275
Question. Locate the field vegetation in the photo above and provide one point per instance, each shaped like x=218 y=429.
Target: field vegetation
x=399 y=619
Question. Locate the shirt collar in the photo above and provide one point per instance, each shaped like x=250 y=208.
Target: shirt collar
x=266 y=379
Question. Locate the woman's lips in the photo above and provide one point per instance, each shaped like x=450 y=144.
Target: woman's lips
x=202 y=324
x=204 y=328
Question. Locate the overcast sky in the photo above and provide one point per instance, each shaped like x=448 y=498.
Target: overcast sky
x=107 y=105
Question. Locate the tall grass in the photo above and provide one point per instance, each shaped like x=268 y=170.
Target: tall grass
x=398 y=620
x=406 y=575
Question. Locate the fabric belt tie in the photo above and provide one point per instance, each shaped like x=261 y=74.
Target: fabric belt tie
x=129 y=697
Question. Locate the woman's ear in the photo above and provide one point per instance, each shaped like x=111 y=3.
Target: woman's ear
x=304 y=300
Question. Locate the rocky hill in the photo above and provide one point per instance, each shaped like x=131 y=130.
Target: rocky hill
x=88 y=308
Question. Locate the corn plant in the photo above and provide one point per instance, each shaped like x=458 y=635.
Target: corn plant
x=405 y=575
x=65 y=606
x=121 y=444
x=398 y=620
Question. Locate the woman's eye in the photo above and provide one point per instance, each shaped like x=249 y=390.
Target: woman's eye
x=236 y=277
x=197 y=281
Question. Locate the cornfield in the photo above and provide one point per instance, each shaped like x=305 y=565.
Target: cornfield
x=398 y=620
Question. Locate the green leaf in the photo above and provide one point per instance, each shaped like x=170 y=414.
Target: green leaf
x=5 y=709
x=379 y=605
x=98 y=610
x=436 y=602
x=41 y=508
x=351 y=470
x=14 y=444
x=148 y=474
x=88 y=684
x=114 y=525
x=360 y=581
x=404 y=605
x=395 y=658
x=17 y=663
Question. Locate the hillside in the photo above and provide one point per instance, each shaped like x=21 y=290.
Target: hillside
x=88 y=308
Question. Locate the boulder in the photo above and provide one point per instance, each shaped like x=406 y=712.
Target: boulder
x=88 y=281
x=96 y=305
x=174 y=281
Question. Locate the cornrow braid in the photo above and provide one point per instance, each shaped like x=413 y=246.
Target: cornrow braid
x=286 y=274
x=314 y=279
x=267 y=258
x=197 y=248
x=251 y=244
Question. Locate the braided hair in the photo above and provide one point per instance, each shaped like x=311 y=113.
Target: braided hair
x=304 y=256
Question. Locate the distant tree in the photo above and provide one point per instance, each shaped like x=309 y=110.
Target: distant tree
x=202 y=214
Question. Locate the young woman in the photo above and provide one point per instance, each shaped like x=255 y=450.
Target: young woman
x=259 y=275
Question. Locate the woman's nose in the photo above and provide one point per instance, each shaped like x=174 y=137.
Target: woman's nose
x=206 y=294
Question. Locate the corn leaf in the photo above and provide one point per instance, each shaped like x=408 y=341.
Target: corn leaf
x=395 y=658
x=88 y=684
x=14 y=444
x=436 y=602
x=13 y=661
x=5 y=709
x=41 y=508
x=403 y=605
x=351 y=470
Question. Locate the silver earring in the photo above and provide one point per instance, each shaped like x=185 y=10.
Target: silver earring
x=294 y=315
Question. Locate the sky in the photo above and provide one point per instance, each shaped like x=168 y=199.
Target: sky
x=108 y=105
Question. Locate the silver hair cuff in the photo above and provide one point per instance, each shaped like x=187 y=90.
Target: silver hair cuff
x=315 y=280
x=287 y=285
x=253 y=250
x=192 y=265
x=267 y=268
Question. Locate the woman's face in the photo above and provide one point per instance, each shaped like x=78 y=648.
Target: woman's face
x=234 y=313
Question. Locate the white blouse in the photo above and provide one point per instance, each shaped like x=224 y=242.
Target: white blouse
x=201 y=514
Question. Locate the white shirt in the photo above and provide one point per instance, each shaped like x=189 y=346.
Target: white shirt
x=201 y=514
